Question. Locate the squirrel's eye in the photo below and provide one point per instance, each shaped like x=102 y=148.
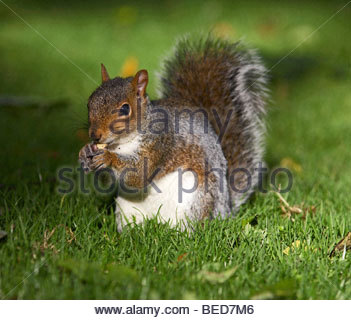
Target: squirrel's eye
x=124 y=110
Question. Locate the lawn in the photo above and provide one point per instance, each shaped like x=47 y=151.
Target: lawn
x=67 y=247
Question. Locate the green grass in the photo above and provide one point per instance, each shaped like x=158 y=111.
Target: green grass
x=309 y=122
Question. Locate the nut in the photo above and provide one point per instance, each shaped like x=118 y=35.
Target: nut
x=101 y=146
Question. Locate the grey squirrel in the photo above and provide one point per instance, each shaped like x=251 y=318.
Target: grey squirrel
x=191 y=154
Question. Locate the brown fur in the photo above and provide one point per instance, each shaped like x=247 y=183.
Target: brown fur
x=215 y=74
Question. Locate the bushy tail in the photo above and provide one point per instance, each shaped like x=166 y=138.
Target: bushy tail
x=227 y=80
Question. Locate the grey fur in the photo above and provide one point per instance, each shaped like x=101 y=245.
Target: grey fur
x=245 y=83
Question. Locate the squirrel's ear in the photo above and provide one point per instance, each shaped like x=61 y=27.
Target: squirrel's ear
x=140 y=82
x=104 y=74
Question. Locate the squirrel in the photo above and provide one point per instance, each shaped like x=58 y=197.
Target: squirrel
x=191 y=154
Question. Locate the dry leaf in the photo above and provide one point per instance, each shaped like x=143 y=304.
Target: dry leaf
x=182 y=256
x=216 y=277
x=290 y=211
x=291 y=164
x=129 y=67
x=48 y=234
x=297 y=244
x=343 y=244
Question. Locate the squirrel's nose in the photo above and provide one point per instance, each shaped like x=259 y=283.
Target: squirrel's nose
x=95 y=135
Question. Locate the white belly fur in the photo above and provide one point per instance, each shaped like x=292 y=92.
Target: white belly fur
x=165 y=205
x=128 y=146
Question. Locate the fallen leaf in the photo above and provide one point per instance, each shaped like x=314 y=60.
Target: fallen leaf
x=47 y=236
x=182 y=256
x=293 y=246
x=297 y=244
x=291 y=164
x=216 y=277
x=291 y=211
x=343 y=244
x=129 y=67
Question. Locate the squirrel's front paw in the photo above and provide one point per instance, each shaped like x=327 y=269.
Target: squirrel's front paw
x=85 y=155
x=100 y=160
x=92 y=158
